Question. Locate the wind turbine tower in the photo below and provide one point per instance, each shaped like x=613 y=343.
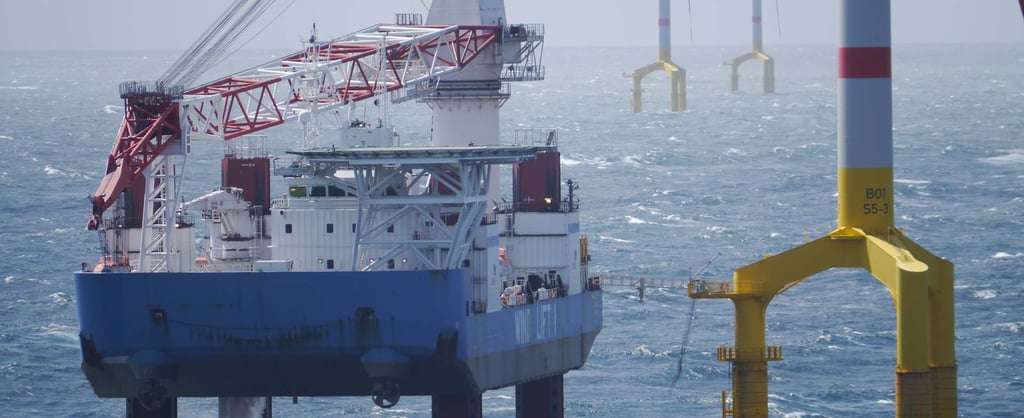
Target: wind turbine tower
x=677 y=75
x=919 y=282
x=758 y=53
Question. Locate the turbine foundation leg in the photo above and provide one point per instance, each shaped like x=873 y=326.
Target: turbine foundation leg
x=456 y=406
x=944 y=391
x=678 y=91
x=542 y=398
x=750 y=390
x=769 y=76
x=913 y=394
x=637 y=95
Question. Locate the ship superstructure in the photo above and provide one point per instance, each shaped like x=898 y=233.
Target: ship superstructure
x=380 y=269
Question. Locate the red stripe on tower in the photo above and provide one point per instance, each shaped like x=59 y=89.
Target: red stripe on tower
x=865 y=62
x=662 y=22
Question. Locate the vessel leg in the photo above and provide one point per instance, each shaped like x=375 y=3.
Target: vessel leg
x=134 y=409
x=542 y=398
x=249 y=407
x=456 y=406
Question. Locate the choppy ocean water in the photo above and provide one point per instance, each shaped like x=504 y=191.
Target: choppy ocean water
x=740 y=174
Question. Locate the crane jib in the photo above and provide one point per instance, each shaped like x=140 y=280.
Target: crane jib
x=351 y=68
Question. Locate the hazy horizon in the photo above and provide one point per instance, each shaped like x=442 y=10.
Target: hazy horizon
x=66 y=25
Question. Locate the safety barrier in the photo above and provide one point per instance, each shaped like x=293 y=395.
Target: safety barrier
x=768 y=353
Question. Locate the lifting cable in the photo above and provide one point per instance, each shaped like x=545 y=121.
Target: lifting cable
x=689 y=322
x=214 y=43
x=686 y=340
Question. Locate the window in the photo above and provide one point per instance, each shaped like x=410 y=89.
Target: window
x=391 y=228
x=297 y=191
x=287 y=228
x=353 y=228
x=391 y=263
x=335 y=191
x=330 y=228
x=330 y=264
x=317 y=191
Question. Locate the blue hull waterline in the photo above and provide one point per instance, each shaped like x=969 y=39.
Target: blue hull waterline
x=319 y=334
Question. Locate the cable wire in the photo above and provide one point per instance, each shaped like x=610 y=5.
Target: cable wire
x=686 y=340
x=214 y=44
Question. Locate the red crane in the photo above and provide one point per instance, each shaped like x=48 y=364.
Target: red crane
x=322 y=76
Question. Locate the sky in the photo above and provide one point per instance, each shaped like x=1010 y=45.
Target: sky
x=63 y=25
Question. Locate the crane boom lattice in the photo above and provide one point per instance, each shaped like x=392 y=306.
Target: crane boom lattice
x=323 y=76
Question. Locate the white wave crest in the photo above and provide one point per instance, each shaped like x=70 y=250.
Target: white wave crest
x=59 y=298
x=569 y=162
x=1001 y=254
x=6 y=137
x=984 y=294
x=613 y=239
x=644 y=351
x=911 y=182
x=1013 y=157
x=66 y=335
x=113 y=109
x=53 y=171
x=19 y=87
x=634 y=160
x=632 y=220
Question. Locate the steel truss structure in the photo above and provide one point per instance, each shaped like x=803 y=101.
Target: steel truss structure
x=449 y=213
x=324 y=76
x=331 y=74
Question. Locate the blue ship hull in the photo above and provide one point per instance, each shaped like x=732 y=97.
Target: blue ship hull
x=319 y=334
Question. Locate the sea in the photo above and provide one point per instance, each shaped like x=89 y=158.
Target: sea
x=737 y=176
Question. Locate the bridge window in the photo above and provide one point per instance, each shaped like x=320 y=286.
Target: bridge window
x=330 y=264
x=297 y=191
x=317 y=191
x=330 y=228
x=287 y=228
x=335 y=191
